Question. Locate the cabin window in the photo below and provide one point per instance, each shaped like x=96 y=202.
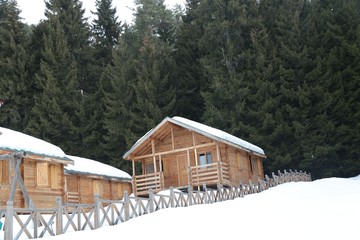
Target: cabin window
x=205 y=158
x=238 y=159
x=253 y=164
x=149 y=167
x=54 y=176
x=4 y=172
x=96 y=187
x=42 y=174
x=259 y=167
x=47 y=175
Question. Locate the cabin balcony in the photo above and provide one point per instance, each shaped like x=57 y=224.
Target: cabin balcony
x=143 y=183
x=209 y=174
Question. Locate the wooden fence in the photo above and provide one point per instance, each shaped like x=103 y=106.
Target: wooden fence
x=37 y=223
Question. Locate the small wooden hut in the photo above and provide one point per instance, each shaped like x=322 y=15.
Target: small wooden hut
x=87 y=177
x=180 y=152
x=34 y=172
x=31 y=170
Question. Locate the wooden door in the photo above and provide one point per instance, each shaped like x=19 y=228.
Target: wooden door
x=182 y=164
x=170 y=170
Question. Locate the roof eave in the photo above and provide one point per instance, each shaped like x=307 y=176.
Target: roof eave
x=144 y=138
x=42 y=157
x=94 y=175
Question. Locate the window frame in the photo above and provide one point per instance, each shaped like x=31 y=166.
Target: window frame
x=205 y=158
x=42 y=175
x=253 y=165
x=49 y=178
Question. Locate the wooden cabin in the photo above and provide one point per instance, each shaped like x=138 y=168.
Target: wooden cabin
x=180 y=152
x=87 y=177
x=31 y=170
x=42 y=171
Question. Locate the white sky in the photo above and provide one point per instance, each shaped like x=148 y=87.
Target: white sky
x=33 y=10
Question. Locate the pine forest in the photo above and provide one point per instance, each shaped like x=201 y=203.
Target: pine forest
x=282 y=74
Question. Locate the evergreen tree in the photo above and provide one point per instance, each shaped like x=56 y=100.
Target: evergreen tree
x=14 y=84
x=190 y=80
x=106 y=31
x=118 y=100
x=330 y=137
x=55 y=114
x=155 y=94
x=284 y=20
x=137 y=87
x=77 y=34
x=234 y=67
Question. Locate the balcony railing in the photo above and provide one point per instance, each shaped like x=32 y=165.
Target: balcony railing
x=72 y=197
x=143 y=183
x=213 y=173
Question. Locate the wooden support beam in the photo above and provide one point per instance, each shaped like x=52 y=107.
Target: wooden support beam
x=133 y=166
x=195 y=150
x=153 y=153
x=188 y=167
x=160 y=164
x=174 y=151
x=218 y=152
x=17 y=158
x=172 y=138
x=5 y=157
x=178 y=169
x=14 y=182
x=12 y=155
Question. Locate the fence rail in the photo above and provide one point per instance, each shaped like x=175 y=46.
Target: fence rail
x=37 y=223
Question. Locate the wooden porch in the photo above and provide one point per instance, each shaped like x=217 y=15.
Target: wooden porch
x=209 y=174
x=143 y=183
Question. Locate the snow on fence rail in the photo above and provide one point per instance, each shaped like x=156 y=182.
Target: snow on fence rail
x=66 y=217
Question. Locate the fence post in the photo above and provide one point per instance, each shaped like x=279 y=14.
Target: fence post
x=9 y=220
x=151 y=200
x=59 y=219
x=242 y=191
x=172 y=197
x=36 y=223
x=219 y=191
x=97 y=211
x=126 y=205
x=190 y=195
x=206 y=201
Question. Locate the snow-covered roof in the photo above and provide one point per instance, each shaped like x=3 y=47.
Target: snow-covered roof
x=217 y=134
x=17 y=141
x=92 y=167
x=204 y=130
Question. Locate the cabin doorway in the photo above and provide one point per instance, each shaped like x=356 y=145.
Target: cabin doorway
x=182 y=166
x=170 y=171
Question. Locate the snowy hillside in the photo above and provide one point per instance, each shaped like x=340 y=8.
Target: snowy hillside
x=323 y=209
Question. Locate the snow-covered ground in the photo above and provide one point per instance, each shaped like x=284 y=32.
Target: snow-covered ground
x=323 y=209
